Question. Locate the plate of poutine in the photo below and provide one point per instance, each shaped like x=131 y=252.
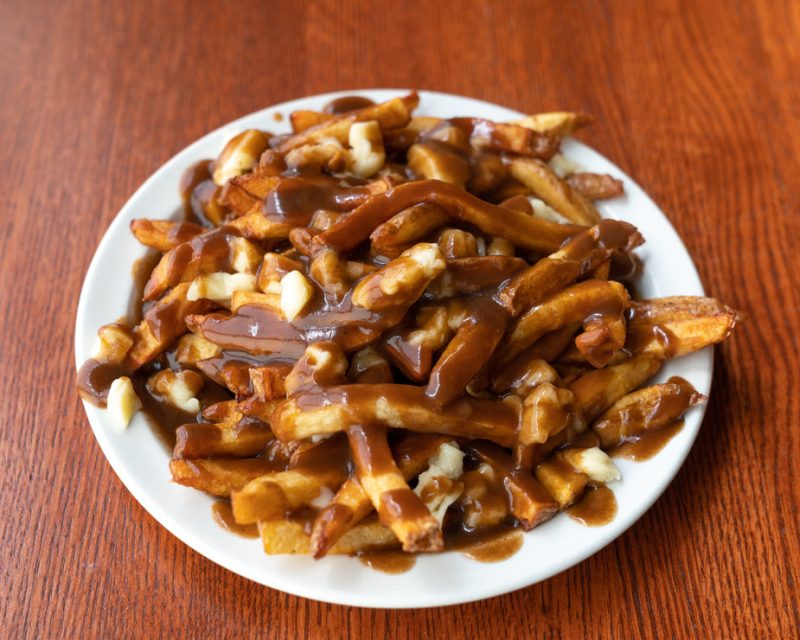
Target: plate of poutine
x=395 y=349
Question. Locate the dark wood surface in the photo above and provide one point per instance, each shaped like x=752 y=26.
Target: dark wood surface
x=697 y=100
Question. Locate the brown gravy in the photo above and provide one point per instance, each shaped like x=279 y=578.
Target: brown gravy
x=494 y=545
x=345 y=104
x=598 y=507
x=648 y=443
x=389 y=561
x=222 y=514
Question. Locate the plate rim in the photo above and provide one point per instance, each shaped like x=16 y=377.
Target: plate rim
x=199 y=545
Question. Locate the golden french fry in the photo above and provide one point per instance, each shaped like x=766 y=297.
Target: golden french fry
x=397 y=234
x=398 y=507
x=557 y=124
x=595 y=186
x=164 y=235
x=391 y=114
x=599 y=304
x=333 y=409
x=271 y=496
x=672 y=327
x=218 y=476
x=648 y=408
x=434 y=160
x=530 y=503
x=519 y=228
x=162 y=323
x=577 y=257
x=288 y=536
x=507 y=137
x=242 y=439
x=558 y=194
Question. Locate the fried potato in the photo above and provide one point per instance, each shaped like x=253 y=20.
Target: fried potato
x=558 y=194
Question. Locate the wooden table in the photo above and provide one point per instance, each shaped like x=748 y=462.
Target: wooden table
x=697 y=100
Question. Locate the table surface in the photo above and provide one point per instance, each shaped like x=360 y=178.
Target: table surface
x=698 y=101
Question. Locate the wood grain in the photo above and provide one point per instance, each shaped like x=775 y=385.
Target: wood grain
x=697 y=100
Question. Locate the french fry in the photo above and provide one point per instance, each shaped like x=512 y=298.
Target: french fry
x=406 y=227
x=558 y=194
x=648 y=408
x=398 y=507
x=595 y=186
x=242 y=439
x=391 y=114
x=471 y=346
x=288 y=536
x=599 y=304
x=162 y=324
x=271 y=496
x=557 y=124
x=672 y=327
x=218 y=476
x=523 y=230
x=333 y=409
x=507 y=137
x=164 y=235
x=580 y=255
x=530 y=503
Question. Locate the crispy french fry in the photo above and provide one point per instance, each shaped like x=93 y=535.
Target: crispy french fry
x=522 y=229
x=507 y=137
x=288 y=536
x=471 y=346
x=398 y=507
x=672 y=327
x=580 y=255
x=557 y=124
x=648 y=408
x=595 y=186
x=530 y=503
x=218 y=476
x=558 y=194
x=271 y=496
x=242 y=439
x=599 y=304
x=406 y=227
x=391 y=114
x=434 y=160
x=333 y=409
x=164 y=235
x=162 y=323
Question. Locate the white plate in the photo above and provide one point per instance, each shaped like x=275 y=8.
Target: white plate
x=140 y=460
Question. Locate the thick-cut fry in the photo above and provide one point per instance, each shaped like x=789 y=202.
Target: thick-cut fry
x=218 y=476
x=598 y=304
x=595 y=186
x=406 y=227
x=580 y=255
x=162 y=323
x=164 y=235
x=519 y=228
x=554 y=191
x=289 y=536
x=392 y=114
x=556 y=123
x=530 y=503
x=333 y=409
x=243 y=439
x=273 y=495
x=398 y=507
x=351 y=503
x=672 y=327
x=648 y=408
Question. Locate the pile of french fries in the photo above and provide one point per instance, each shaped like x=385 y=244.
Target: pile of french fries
x=422 y=326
